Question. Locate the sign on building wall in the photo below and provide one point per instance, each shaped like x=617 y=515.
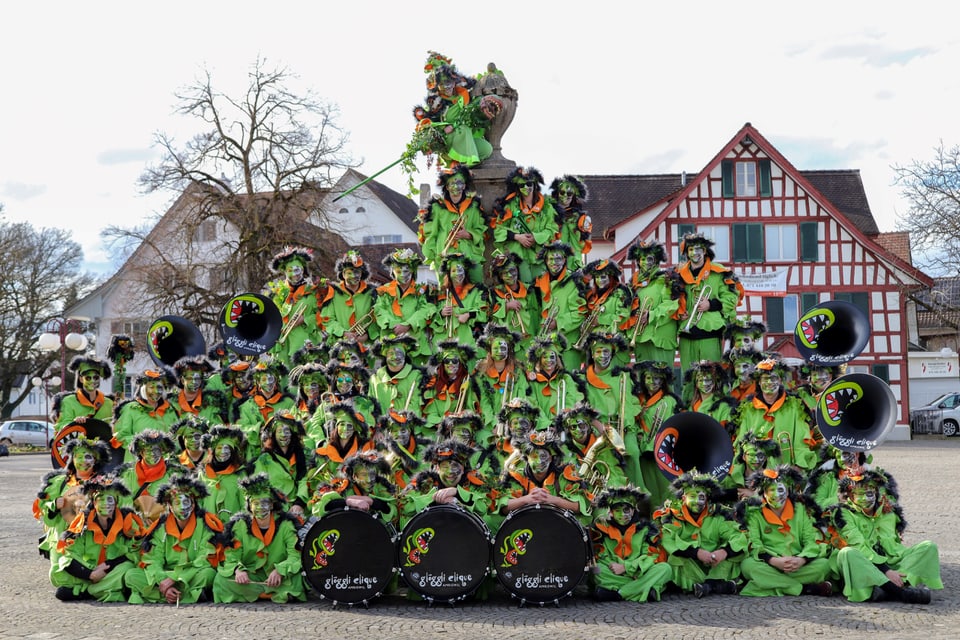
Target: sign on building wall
x=768 y=283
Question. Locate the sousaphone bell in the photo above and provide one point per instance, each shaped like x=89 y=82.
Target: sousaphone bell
x=856 y=412
x=250 y=324
x=832 y=333
x=691 y=440
x=173 y=337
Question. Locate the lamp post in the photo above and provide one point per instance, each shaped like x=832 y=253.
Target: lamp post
x=43 y=386
x=63 y=334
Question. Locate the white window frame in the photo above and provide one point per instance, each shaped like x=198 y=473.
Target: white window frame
x=780 y=243
x=745 y=182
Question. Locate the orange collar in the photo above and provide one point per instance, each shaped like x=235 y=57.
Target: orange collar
x=783 y=520
x=595 y=380
x=624 y=539
x=266 y=537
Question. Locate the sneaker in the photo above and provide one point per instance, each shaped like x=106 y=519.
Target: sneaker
x=915 y=595
x=823 y=589
x=701 y=589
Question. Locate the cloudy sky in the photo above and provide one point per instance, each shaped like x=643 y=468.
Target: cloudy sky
x=604 y=87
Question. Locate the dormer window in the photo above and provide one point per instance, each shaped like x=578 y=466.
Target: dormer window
x=746 y=178
x=746 y=172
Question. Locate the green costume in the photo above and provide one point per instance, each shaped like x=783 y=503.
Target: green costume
x=87 y=401
x=561 y=305
x=457 y=208
x=524 y=210
x=136 y=416
x=299 y=299
x=349 y=308
x=405 y=303
x=786 y=421
x=656 y=292
x=567 y=194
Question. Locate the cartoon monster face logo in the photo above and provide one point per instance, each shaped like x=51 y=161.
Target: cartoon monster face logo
x=323 y=548
x=812 y=324
x=664 y=445
x=240 y=306
x=159 y=330
x=838 y=398
x=417 y=545
x=515 y=546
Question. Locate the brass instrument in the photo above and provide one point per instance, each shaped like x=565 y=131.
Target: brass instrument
x=658 y=417
x=295 y=318
x=518 y=322
x=587 y=327
x=550 y=319
x=507 y=391
x=511 y=463
x=599 y=477
x=561 y=395
x=452 y=236
x=621 y=426
x=645 y=308
x=406 y=404
x=359 y=328
x=462 y=399
x=786 y=447
x=693 y=316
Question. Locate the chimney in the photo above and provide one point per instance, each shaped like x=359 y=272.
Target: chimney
x=683 y=178
x=425 y=195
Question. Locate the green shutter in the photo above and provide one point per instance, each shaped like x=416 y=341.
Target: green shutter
x=808 y=301
x=809 y=243
x=774 y=315
x=862 y=300
x=740 y=248
x=882 y=371
x=766 y=188
x=726 y=170
x=755 y=242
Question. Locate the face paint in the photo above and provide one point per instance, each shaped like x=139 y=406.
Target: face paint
x=555 y=262
x=652 y=382
x=344 y=383
x=351 y=277
x=622 y=513
x=105 y=504
x=769 y=383
x=193 y=440
x=192 y=381
x=775 y=495
x=455 y=188
x=578 y=429
x=548 y=362
x=83 y=460
x=519 y=425
x=743 y=369
x=402 y=273
x=364 y=477
x=90 y=381
x=696 y=254
x=400 y=432
x=695 y=499
x=499 y=349
x=647 y=264
x=462 y=433
x=820 y=378
x=396 y=358
x=705 y=383
x=451 y=366
x=526 y=189
x=181 y=506
x=266 y=382
x=509 y=276
x=450 y=472
x=601 y=280
x=345 y=429
x=152 y=454
x=224 y=452
x=743 y=341
x=349 y=358
x=851 y=462
x=310 y=387
x=457 y=273
x=261 y=508
x=565 y=194
x=602 y=356
x=539 y=460
x=293 y=272
x=283 y=436
x=753 y=456
x=153 y=391
x=865 y=498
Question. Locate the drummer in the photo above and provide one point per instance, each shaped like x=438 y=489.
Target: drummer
x=363 y=484
x=545 y=480
x=396 y=438
x=459 y=484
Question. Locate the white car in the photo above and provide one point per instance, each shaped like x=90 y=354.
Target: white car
x=940 y=416
x=22 y=432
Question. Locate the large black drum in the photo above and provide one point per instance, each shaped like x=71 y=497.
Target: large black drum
x=541 y=554
x=93 y=429
x=444 y=553
x=348 y=556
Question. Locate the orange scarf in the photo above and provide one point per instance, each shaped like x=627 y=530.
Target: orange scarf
x=782 y=521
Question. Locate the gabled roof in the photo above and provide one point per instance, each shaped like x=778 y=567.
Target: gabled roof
x=401 y=206
x=939 y=307
x=613 y=199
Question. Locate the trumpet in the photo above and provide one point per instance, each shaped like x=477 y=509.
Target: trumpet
x=518 y=318
x=645 y=308
x=694 y=315
x=359 y=328
x=462 y=399
x=658 y=417
x=598 y=478
x=550 y=319
x=293 y=320
x=452 y=236
x=511 y=463
x=587 y=327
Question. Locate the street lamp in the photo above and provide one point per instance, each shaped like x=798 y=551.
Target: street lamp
x=62 y=334
x=43 y=386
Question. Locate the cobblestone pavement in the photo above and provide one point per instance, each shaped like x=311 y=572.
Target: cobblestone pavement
x=29 y=609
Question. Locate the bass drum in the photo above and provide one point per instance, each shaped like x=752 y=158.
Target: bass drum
x=444 y=553
x=348 y=556
x=541 y=554
x=93 y=429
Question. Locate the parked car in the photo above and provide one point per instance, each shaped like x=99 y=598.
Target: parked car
x=940 y=416
x=23 y=432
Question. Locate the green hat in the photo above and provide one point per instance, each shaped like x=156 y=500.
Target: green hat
x=82 y=364
x=151 y=437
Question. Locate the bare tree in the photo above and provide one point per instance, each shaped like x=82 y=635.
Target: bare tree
x=933 y=189
x=252 y=182
x=39 y=276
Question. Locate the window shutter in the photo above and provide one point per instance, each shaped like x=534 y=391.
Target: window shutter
x=740 y=249
x=774 y=315
x=808 y=301
x=726 y=170
x=755 y=242
x=809 y=243
x=882 y=371
x=766 y=189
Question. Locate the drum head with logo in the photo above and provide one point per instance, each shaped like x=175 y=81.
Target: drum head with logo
x=541 y=553
x=91 y=428
x=444 y=553
x=348 y=556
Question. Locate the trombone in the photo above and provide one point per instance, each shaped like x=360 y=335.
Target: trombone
x=518 y=318
x=293 y=320
x=550 y=319
x=694 y=315
x=452 y=236
x=588 y=326
x=645 y=307
x=359 y=328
